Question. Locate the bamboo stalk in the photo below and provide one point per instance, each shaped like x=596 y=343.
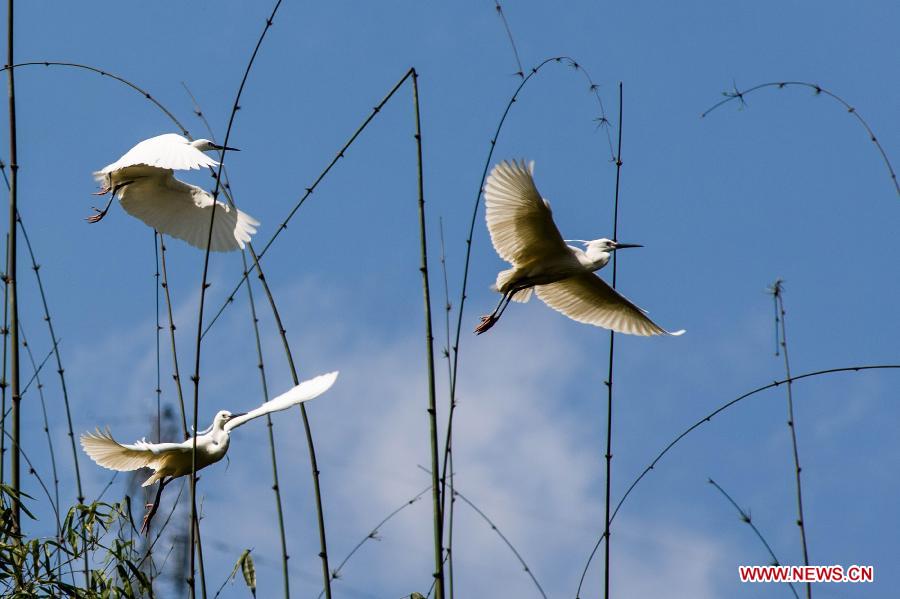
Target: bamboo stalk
x=269 y=426
x=778 y=298
x=3 y=382
x=609 y=376
x=437 y=507
x=260 y=365
x=11 y=276
x=195 y=528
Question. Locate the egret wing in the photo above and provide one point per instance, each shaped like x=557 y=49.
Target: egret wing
x=109 y=453
x=167 y=151
x=303 y=392
x=587 y=298
x=180 y=210
x=518 y=218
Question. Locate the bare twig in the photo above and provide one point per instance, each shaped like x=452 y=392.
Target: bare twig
x=745 y=517
x=777 y=291
x=373 y=534
x=818 y=90
x=509 y=35
x=512 y=548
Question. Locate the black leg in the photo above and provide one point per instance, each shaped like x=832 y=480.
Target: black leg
x=96 y=218
x=145 y=525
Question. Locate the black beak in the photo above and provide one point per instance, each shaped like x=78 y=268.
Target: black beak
x=218 y=147
x=620 y=246
x=238 y=414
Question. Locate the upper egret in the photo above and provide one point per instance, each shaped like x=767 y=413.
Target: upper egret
x=524 y=234
x=172 y=460
x=147 y=189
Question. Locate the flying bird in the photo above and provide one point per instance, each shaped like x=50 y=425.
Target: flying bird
x=172 y=460
x=144 y=181
x=524 y=234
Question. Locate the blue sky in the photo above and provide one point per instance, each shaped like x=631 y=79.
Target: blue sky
x=787 y=187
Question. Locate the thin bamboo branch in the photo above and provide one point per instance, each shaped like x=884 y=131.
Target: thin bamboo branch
x=778 y=299
x=373 y=534
x=262 y=371
x=446 y=353
x=51 y=451
x=512 y=42
x=502 y=536
x=708 y=418
x=609 y=376
x=102 y=73
x=156 y=287
x=276 y=488
x=36 y=267
x=195 y=529
x=819 y=90
x=309 y=191
x=176 y=372
x=603 y=122
x=745 y=517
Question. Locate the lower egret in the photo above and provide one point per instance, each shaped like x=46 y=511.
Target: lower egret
x=144 y=181
x=172 y=460
x=523 y=233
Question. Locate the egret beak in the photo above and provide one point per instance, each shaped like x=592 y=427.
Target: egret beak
x=218 y=147
x=238 y=414
x=620 y=246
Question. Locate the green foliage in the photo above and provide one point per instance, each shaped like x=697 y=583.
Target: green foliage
x=49 y=567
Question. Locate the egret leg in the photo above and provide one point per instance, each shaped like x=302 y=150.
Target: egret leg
x=106 y=187
x=488 y=321
x=152 y=507
x=96 y=218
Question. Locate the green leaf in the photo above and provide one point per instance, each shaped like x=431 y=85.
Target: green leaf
x=248 y=570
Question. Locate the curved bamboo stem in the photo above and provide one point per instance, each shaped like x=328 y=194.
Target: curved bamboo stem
x=738 y=95
x=708 y=418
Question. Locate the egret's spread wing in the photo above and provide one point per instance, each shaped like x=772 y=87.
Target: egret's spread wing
x=587 y=298
x=168 y=151
x=518 y=218
x=303 y=392
x=183 y=211
x=109 y=453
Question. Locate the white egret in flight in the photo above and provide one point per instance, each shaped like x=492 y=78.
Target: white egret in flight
x=147 y=189
x=524 y=234
x=172 y=460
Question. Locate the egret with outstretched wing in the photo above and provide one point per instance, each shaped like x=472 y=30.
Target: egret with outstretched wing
x=172 y=460
x=523 y=233
x=144 y=181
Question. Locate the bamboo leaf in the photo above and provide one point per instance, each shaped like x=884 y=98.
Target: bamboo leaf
x=248 y=570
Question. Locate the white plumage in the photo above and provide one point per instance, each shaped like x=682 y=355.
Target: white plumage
x=146 y=186
x=523 y=233
x=171 y=460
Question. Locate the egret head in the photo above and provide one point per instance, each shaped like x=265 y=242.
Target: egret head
x=204 y=145
x=222 y=417
x=604 y=245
